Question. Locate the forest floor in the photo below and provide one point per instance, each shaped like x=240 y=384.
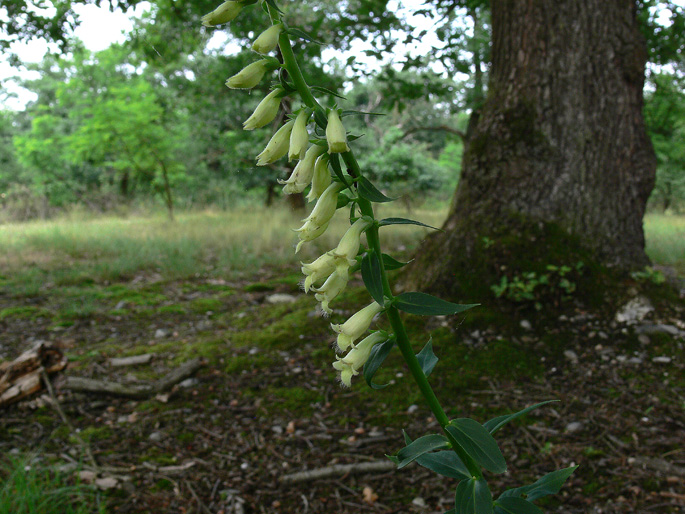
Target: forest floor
x=266 y=402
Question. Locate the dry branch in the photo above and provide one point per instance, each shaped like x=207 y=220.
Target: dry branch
x=88 y=385
x=338 y=470
x=22 y=376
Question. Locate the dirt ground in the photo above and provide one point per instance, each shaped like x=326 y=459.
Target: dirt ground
x=266 y=403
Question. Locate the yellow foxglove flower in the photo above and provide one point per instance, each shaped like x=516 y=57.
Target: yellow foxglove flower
x=267 y=40
x=326 y=205
x=349 y=243
x=222 y=14
x=318 y=270
x=277 y=147
x=356 y=326
x=299 y=137
x=265 y=112
x=302 y=174
x=334 y=285
x=308 y=232
x=350 y=364
x=335 y=133
x=250 y=75
x=321 y=178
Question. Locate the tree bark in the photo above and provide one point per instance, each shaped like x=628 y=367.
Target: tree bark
x=560 y=143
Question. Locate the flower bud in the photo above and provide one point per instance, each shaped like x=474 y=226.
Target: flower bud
x=335 y=133
x=277 y=146
x=299 y=138
x=222 y=14
x=250 y=75
x=302 y=174
x=349 y=243
x=333 y=286
x=267 y=40
x=321 y=178
x=265 y=112
x=356 y=326
x=355 y=359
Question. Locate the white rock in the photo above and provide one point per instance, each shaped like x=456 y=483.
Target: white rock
x=412 y=409
x=419 y=502
x=571 y=356
x=161 y=333
x=281 y=298
x=635 y=310
x=525 y=324
x=661 y=360
x=574 y=426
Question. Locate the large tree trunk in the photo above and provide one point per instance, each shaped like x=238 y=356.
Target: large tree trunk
x=559 y=148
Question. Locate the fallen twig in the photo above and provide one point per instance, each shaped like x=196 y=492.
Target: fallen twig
x=88 y=385
x=338 y=470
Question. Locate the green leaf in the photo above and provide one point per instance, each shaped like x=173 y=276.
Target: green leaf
x=334 y=160
x=445 y=463
x=378 y=354
x=427 y=358
x=350 y=112
x=303 y=35
x=325 y=91
x=371 y=275
x=477 y=443
x=422 y=445
x=428 y=305
x=549 y=484
x=272 y=4
x=516 y=506
x=343 y=200
x=473 y=496
x=390 y=264
x=367 y=190
x=403 y=221
x=495 y=424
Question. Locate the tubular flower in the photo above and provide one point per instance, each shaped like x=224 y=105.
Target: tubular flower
x=302 y=174
x=326 y=205
x=308 y=232
x=250 y=75
x=321 y=178
x=299 y=137
x=277 y=146
x=222 y=14
x=267 y=40
x=318 y=270
x=334 y=285
x=265 y=112
x=350 y=364
x=355 y=327
x=335 y=133
x=349 y=243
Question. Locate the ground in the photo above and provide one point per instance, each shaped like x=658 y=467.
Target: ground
x=267 y=404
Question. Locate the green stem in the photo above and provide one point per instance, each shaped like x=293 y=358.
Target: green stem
x=373 y=238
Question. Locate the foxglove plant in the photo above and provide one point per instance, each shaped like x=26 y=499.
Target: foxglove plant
x=464 y=448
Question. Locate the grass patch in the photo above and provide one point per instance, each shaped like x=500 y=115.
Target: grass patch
x=665 y=240
x=27 y=487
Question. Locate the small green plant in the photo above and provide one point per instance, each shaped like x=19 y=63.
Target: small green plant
x=464 y=449
x=27 y=487
x=531 y=286
x=649 y=274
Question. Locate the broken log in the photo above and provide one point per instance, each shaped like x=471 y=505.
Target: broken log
x=22 y=376
x=139 y=392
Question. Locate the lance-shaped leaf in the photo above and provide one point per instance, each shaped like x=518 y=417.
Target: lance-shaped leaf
x=378 y=354
x=428 y=305
x=326 y=91
x=445 y=463
x=350 y=112
x=334 y=161
x=477 y=443
x=427 y=358
x=425 y=444
x=473 y=496
x=549 y=484
x=403 y=221
x=495 y=424
x=371 y=275
x=303 y=35
x=516 y=506
x=367 y=190
x=390 y=263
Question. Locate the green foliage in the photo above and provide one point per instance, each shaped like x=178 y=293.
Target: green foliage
x=556 y=283
x=649 y=274
x=28 y=487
